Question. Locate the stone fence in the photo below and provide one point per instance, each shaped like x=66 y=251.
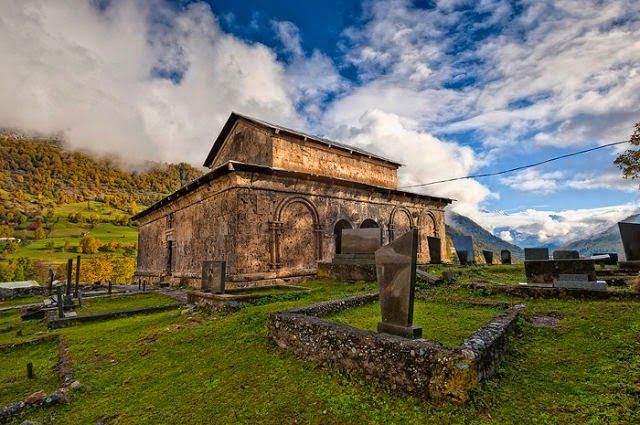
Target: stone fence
x=421 y=368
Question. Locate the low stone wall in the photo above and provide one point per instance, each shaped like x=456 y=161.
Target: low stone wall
x=347 y=272
x=54 y=322
x=421 y=368
x=523 y=291
x=234 y=296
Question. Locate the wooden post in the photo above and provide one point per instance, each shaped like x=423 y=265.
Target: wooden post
x=109 y=287
x=59 y=301
x=30 y=373
x=79 y=299
x=69 y=271
x=77 y=291
x=51 y=278
x=144 y=285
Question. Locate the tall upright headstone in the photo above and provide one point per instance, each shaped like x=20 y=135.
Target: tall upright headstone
x=396 y=273
x=77 y=289
x=213 y=276
x=434 y=250
x=69 y=272
x=464 y=244
x=488 y=256
x=505 y=256
x=630 y=234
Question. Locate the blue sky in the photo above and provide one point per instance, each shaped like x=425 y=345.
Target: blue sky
x=448 y=88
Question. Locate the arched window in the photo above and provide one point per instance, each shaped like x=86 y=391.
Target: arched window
x=369 y=224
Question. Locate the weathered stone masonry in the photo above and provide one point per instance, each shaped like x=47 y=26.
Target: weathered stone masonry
x=271 y=222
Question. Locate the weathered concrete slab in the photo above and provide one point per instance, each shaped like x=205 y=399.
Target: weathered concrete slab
x=505 y=256
x=464 y=243
x=566 y=255
x=589 y=285
x=361 y=241
x=630 y=234
x=214 y=276
x=396 y=273
x=536 y=254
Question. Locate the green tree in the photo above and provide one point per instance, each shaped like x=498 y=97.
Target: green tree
x=629 y=160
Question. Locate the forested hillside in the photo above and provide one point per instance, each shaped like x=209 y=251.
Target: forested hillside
x=56 y=203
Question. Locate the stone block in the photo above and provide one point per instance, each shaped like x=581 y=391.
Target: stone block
x=611 y=261
x=488 y=256
x=464 y=243
x=361 y=241
x=214 y=276
x=536 y=254
x=434 y=250
x=566 y=255
x=396 y=273
x=630 y=234
x=505 y=256
x=590 y=285
x=547 y=271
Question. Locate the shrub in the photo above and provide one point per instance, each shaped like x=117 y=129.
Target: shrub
x=89 y=245
x=39 y=233
x=635 y=284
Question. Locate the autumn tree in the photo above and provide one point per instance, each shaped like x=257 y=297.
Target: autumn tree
x=89 y=245
x=629 y=160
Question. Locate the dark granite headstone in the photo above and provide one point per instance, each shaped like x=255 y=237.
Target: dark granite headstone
x=546 y=271
x=463 y=257
x=565 y=255
x=488 y=256
x=611 y=261
x=396 y=273
x=464 y=243
x=434 y=250
x=630 y=234
x=361 y=241
x=213 y=276
x=505 y=256
x=536 y=254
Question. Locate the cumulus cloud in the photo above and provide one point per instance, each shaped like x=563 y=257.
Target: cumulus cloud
x=505 y=235
x=139 y=78
x=533 y=180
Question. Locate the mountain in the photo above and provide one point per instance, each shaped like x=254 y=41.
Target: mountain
x=457 y=224
x=605 y=241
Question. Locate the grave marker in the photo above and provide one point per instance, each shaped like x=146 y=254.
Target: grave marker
x=566 y=255
x=505 y=256
x=464 y=244
x=213 y=276
x=434 y=250
x=396 y=273
x=488 y=256
x=361 y=241
x=630 y=234
x=536 y=254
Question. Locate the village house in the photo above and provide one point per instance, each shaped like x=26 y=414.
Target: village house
x=273 y=206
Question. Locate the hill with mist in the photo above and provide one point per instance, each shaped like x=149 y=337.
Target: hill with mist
x=606 y=241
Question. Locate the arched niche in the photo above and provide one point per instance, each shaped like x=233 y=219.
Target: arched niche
x=369 y=223
x=337 y=233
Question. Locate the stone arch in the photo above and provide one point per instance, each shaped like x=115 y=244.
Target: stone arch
x=338 y=227
x=295 y=227
x=397 y=228
x=428 y=219
x=369 y=223
x=429 y=243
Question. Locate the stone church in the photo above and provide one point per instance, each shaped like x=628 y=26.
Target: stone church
x=273 y=206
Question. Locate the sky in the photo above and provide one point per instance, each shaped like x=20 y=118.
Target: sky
x=448 y=88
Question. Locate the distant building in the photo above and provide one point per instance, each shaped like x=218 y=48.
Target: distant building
x=274 y=204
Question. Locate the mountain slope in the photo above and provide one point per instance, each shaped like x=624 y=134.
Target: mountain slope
x=607 y=241
x=482 y=239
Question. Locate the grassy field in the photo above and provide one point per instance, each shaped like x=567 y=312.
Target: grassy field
x=449 y=323
x=65 y=230
x=167 y=368
x=120 y=303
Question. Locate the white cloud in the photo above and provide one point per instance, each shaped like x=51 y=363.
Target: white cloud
x=532 y=180
x=610 y=181
x=505 y=235
x=93 y=74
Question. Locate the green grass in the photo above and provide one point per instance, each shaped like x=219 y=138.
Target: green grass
x=508 y=274
x=64 y=230
x=164 y=368
x=444 y=322
x=14 y=384
x=20 y=301
x=120 y=303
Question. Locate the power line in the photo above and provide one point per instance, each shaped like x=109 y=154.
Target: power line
x=511 y=170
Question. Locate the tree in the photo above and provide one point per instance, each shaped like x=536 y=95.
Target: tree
x=67 y=246
x=89 y=245
x=629 y=161
x=39 y=233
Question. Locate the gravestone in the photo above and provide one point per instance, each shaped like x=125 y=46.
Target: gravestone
x=611 y=261
x=464 y=243
x=463 y=257
x=630 y=234
x=536 y=254
x=361 y=241
x=488 y=256
x=548 y=271
x=505 y=256
x=434 y=250
x=213 y=276
x=579 y=281
x=396 y=273
x=566 y=255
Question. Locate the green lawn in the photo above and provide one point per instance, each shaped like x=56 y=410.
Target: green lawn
x=20 y=301
x=167 y=368
x=448 y=323
x=120 y=303
x=14 y=384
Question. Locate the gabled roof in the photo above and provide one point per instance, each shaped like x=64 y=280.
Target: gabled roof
x=296 y=134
